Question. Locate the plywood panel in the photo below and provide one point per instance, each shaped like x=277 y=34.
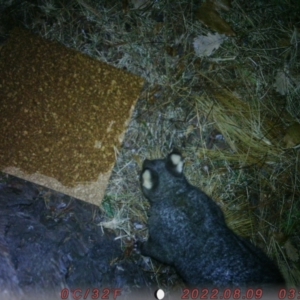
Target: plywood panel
x=62 y=115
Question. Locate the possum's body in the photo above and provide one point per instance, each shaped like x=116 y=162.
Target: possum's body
x=187 y=230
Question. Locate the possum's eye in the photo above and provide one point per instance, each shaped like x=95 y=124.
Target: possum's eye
x=147 y=180
x=175 y=163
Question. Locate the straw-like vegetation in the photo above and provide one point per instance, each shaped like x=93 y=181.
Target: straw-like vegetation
x=233 y=111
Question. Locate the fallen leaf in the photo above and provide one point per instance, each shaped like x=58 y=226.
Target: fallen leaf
x=292 y=136
x=206 y=45
x=291 y=251
x=282 y=83
x=208 y=15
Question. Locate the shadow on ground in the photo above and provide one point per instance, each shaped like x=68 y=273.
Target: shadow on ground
x=51 y=245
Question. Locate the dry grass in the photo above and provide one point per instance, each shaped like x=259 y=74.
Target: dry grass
x=222 y=111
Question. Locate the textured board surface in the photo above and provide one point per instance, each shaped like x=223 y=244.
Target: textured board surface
x=63 y=115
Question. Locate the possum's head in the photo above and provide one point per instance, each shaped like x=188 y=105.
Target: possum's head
x=162 y=177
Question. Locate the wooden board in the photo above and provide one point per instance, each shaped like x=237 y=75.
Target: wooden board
x=63 y=115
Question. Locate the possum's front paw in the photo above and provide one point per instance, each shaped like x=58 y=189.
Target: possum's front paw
x=137 y=248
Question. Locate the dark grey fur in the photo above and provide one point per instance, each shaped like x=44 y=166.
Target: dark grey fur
x=187 y=230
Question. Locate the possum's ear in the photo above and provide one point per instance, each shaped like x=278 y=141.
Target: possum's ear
x=149 y=179
x=175 y=163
